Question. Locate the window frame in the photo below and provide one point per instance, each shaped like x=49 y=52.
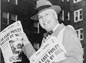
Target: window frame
x=74 y=1
x=14 y=2
x=68 y=15
x=62 y=15
x=5 y=16
x=62 y=0
x=68 y=0
x=78 y=15
x=0 y=19
x=6 y=0
x=14 y=18
x=79 y=34
x=36 y=26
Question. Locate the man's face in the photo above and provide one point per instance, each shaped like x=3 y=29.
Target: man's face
x=47 y=19
x=16 y=44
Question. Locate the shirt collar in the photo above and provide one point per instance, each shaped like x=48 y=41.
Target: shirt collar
x=56 y=27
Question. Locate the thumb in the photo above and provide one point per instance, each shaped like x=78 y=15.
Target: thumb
x=24 y=38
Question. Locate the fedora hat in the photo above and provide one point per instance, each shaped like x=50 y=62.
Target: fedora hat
x=43 y=5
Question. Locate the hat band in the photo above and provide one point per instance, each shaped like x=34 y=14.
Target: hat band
x=43 y=7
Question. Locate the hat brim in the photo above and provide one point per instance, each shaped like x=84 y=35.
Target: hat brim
x=55 y=7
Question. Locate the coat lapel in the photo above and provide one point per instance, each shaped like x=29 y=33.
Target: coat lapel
x=56 y=32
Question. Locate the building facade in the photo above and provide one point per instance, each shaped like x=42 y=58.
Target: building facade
x=73 y=12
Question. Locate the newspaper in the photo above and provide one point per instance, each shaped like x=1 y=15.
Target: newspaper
x=51 y=51
x=11 y=43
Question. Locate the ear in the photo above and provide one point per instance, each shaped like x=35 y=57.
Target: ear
x=56 y=16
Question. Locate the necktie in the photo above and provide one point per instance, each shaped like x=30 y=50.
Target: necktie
x=48 y=33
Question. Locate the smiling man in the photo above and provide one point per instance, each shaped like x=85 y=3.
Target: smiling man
x=48 y=19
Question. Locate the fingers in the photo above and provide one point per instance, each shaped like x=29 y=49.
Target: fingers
x=24 y=38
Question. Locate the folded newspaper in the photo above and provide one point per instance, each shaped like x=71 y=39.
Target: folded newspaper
x=11 y=43
x=51 y=51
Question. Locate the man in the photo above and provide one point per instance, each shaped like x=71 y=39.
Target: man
x=48 y=20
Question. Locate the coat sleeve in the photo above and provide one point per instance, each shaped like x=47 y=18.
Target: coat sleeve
x=28 y=50
x=73 y=47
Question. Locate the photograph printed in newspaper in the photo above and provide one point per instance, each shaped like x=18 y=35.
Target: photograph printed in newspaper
x=11 y=43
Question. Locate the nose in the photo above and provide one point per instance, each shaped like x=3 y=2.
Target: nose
x=43 y=19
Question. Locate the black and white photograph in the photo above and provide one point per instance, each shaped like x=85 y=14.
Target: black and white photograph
x=42 y=31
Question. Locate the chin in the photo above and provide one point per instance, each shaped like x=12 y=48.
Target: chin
x=48 y=30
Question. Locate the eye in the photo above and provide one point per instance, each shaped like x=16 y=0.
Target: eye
x=39 y=17
x=47 y=14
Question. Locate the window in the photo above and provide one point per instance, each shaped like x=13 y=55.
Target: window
x=68 y=16
x=62 y=0
x=78 y=15
x=80 y=33
x=62 y=15
x=75 y=1
x=6 y=0
x=67 y=0
x=14 y=2
x=36 y=27
x=5 y=19
x=14 y=17
x=0 y=19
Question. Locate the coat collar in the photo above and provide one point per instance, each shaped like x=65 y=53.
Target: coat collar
x=57 y=30
x=56 y=27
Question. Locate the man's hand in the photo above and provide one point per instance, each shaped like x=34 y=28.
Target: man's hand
x=24 y=38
